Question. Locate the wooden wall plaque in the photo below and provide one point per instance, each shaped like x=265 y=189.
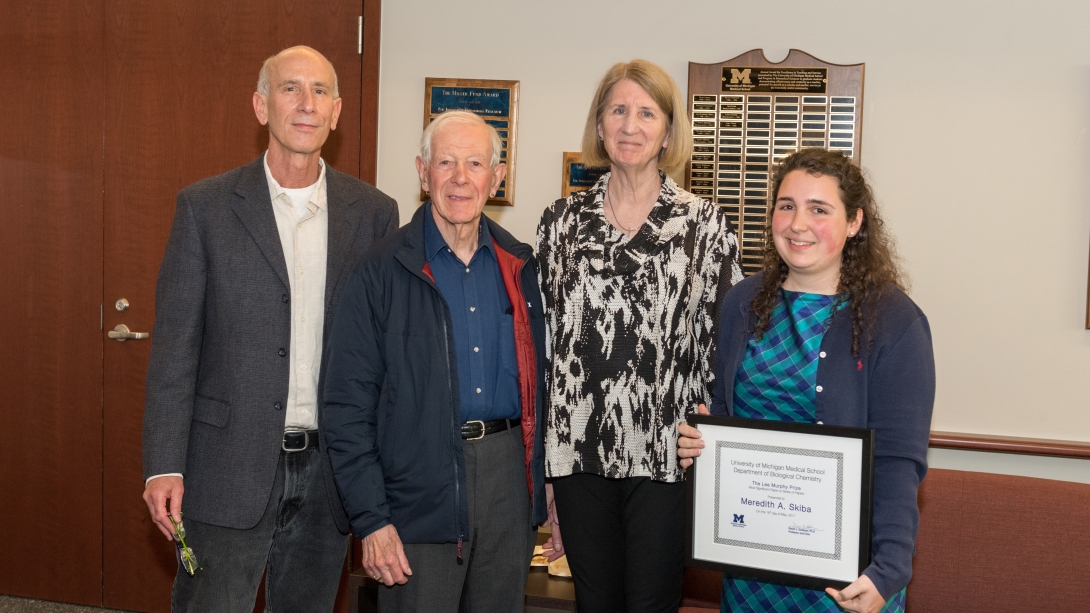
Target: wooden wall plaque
x=495 y=101
x=576 y=176
x=748 y=113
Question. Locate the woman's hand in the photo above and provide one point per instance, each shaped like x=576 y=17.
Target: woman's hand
x=688 y=441
x=859 y=597
x=553 y=549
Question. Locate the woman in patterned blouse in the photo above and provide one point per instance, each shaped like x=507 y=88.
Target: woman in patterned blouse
x=631 y=273
x=825 y=334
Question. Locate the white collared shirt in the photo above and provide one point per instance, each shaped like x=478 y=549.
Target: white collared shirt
x=302 y=218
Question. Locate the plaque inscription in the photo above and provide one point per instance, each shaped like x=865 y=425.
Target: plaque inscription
x=576 y=176
x=804 y=80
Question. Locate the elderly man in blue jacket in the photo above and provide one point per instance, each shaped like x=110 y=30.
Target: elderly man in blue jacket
x=433 y=397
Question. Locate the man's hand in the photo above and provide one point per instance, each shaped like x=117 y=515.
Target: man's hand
x=688 y=440
x=384 y=557
x=163 y=495
x=859 y=597
x=553 y=549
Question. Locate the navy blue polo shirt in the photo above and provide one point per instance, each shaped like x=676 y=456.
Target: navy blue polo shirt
x=484 y=324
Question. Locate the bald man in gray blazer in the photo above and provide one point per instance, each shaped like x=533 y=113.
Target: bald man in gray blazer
x=252 y=273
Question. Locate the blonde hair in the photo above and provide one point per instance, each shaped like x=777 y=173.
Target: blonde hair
x=662 y=89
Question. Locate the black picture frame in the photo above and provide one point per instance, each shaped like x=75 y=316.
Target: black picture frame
x=866 y=482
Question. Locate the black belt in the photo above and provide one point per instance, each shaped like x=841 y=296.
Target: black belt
x=299 y=440
x=473 y=430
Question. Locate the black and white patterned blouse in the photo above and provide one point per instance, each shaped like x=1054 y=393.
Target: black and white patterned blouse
x=632 y=325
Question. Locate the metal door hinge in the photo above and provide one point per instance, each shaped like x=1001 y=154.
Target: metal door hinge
x=359 y=37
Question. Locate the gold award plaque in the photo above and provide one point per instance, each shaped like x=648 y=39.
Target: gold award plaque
x=495 y=101
x=575 y=176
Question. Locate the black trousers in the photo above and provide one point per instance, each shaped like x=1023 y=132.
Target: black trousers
x=624 y=539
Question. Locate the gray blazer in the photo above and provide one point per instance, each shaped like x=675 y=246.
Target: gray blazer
x=217 y=381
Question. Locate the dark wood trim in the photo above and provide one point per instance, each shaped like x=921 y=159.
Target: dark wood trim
x=372 y=29
x=368 y=171
x=1010 y=444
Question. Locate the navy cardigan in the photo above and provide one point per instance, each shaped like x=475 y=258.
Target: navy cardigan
x=890 y=388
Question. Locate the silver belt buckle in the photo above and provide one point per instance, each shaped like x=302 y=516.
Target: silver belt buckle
x=306 y=439
x=476 y=438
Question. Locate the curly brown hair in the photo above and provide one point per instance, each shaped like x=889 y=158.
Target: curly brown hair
x=869 y=263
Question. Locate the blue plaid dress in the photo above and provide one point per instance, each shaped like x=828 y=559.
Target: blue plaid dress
x=776 y=381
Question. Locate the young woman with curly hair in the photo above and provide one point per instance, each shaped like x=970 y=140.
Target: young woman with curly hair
x=825 y=334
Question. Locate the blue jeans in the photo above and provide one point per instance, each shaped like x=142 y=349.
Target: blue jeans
x=296 y=539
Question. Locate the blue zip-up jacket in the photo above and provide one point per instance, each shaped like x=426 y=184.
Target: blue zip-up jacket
x=391 y=416
x=890 y=389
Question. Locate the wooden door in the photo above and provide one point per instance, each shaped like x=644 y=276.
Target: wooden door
x=179 y=79
x=51 y=164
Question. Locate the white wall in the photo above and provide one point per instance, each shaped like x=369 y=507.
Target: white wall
x=976 y=132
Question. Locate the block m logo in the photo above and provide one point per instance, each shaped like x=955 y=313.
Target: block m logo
x=739 y=519
x=740 y=76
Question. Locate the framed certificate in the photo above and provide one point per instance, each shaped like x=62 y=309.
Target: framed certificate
x=780 y=501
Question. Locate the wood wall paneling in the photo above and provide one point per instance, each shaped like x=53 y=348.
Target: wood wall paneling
x=51 y=163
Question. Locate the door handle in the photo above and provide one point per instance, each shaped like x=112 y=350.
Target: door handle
x=122 y=334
